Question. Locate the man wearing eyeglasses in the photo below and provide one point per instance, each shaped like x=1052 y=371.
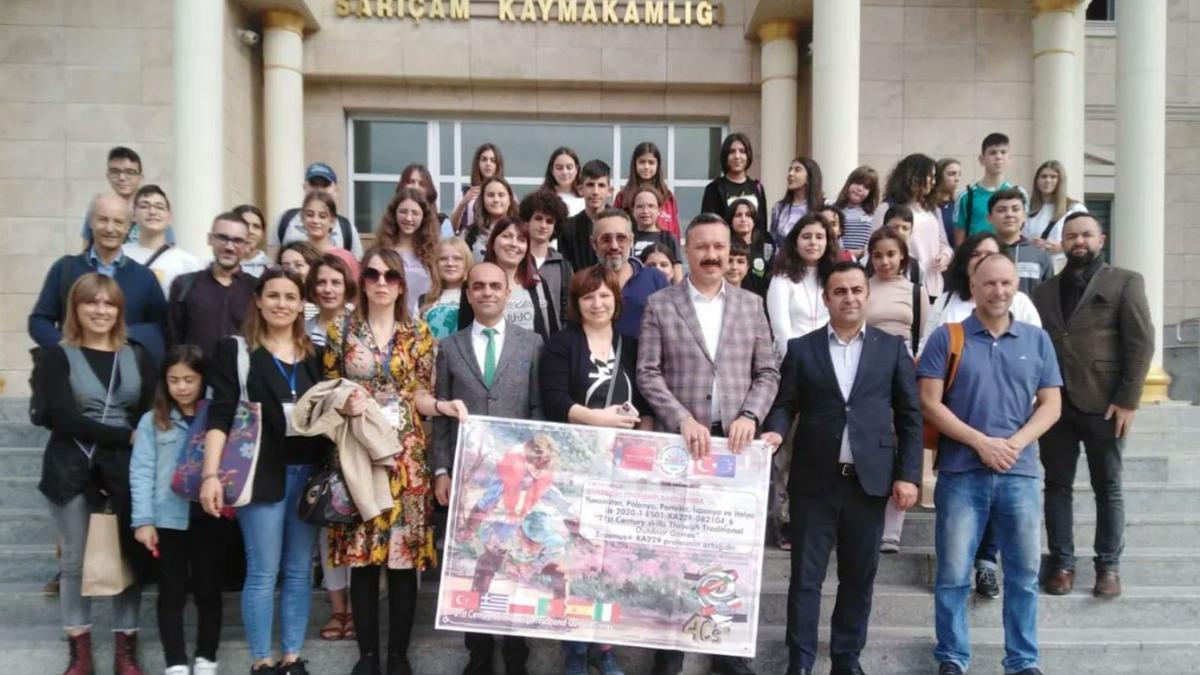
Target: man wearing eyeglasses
x=152 y=209
x=612 y=239
x=124 y=174
x=211 y=304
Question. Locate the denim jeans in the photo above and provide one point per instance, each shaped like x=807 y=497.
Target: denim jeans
x=277 y=540
x=966 y=503
x=1060 y=457
x=71 y=520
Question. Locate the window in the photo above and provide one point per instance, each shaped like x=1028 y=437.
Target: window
x=1100 y=206
x=380 y=148
x=1102 y=10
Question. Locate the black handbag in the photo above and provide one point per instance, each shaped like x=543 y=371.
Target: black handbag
x=326 y=501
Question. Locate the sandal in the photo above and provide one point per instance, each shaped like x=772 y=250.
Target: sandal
x=348 y=622
x=335 y=628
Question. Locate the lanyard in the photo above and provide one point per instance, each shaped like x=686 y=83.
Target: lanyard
x=290 y=377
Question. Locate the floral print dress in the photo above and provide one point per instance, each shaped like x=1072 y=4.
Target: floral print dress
x=401 y=538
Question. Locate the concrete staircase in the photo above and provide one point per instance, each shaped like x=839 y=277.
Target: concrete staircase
x=1153 y=627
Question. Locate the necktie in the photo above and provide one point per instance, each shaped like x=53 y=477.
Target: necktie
x=489 y=357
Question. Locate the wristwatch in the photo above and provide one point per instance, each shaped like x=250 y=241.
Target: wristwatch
x=750 y=416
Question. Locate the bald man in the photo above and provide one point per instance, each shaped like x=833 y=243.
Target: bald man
x=145 y=306
x=1004 y=394
x=492 y=367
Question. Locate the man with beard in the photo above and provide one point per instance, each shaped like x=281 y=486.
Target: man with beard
x=211 y=304
x=1099 y=319
x=612 y=239
x=707 y=366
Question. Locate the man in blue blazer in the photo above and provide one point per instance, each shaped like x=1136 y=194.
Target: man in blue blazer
x=857 y=442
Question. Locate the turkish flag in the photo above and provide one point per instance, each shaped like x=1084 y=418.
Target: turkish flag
x=464 y=600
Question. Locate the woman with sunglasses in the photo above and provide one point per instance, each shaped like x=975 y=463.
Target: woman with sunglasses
x=283 y=366
x=390 y=354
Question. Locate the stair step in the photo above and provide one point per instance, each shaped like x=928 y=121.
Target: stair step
x=889 y=651
x=1142 y=532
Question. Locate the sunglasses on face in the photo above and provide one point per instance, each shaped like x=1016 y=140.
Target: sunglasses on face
x=372 y=276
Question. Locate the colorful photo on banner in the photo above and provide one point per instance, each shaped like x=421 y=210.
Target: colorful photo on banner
x=601 y=535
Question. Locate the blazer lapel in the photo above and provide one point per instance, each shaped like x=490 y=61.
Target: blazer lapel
x=1056 y=319
x=462 y=341
x=825 y=361
x=731 y=319
x=1093 y=285
x=687 y=311
x=870 y=343
x=506 y=355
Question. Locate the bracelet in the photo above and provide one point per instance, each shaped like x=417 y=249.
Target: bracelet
x=204 y=478
x=436 y=409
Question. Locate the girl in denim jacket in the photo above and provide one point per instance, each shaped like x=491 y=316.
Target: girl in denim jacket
x=177 y=532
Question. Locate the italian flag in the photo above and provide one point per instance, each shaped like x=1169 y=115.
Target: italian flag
x=607 y=612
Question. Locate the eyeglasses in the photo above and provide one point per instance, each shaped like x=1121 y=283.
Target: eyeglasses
x=124 y=173
x=225 y=240
x=372 y=276
x=153 y=206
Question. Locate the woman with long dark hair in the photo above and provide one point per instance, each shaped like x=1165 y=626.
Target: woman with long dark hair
x=282 y=366
x=646 y=170
x=486 y=164
x=804 y=195
x=736 y=158
x=911 y=184
x=529 y=304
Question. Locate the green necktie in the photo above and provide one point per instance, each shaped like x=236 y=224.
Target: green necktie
x=489 y=357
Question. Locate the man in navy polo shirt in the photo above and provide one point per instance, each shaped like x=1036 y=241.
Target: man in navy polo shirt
x=1005 y=395
x=612 y=238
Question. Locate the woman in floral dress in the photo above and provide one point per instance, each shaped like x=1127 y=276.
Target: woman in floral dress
x=391 y=356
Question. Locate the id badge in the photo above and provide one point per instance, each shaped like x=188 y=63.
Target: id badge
x=391 y=412
x=288 y=408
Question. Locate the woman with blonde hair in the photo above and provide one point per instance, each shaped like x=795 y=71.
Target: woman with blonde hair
x=439 y=307
x=1049 y=205
x=96 y=387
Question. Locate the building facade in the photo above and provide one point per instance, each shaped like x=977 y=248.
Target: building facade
x=228 y=100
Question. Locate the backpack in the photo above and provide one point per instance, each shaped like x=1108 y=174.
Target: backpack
x=346 y=228
x=37 y=388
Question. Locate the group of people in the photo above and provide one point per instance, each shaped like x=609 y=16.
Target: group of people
x=834 y=331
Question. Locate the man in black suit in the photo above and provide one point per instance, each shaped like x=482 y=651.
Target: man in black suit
x=858 y=441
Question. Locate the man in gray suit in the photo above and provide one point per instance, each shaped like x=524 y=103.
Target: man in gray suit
x=492 y=367
x=1098 y=317
x=707 y=366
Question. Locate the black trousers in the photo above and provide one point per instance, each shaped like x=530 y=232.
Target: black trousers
x=850 y=519
x=1060 y=457
x=188 y=559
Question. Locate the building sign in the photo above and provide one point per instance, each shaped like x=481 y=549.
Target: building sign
x=628 y=12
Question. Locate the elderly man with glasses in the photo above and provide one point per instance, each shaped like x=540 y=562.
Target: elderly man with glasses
x=211 y=304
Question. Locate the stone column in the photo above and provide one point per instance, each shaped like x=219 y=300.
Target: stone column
x=1138 y=213
x=283 y=110
x=780 y=67
x=835 y=80
x=199 y=115
x=1057 y=88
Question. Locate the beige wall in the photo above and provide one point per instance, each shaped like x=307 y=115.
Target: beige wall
x=244 y=181
x=76 y=78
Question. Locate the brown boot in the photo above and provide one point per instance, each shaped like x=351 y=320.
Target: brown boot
x=125 y=655
x=1061 y=582
x=81 y=655
x=1108 y=584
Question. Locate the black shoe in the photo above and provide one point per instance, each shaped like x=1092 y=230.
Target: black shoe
x=297 y=667
x=398 y=664
x=368 y=664
x=479 y=664
x=949 y=668
x=854 y=669
x=798 y=671
x=1029 y=671
x=667 y=662
x=266 y=669
x=730 y=665
x=986 y=584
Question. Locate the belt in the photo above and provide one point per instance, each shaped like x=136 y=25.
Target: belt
x=847 y=470
x=716 y=430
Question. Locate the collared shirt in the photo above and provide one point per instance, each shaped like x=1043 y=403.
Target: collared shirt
x=995 y=389
x=710 y=312
x=210 y=311
x=106 y=269
x=479 y=341
x=845 y=357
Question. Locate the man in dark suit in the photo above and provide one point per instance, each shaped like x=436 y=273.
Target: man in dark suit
x=857 y=442
x=492 y=366
x=1098 y=317
x=707 y=366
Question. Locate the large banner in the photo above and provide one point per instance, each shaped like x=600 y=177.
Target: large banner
x=600 y=535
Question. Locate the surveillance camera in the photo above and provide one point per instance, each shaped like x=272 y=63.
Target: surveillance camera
x=249 y=37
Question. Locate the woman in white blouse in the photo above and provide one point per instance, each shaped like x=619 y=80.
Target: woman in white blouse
x=794 y=303
x=1048 y=207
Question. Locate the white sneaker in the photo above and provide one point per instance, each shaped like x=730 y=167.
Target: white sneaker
x=178 y=670
x=204 y=667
